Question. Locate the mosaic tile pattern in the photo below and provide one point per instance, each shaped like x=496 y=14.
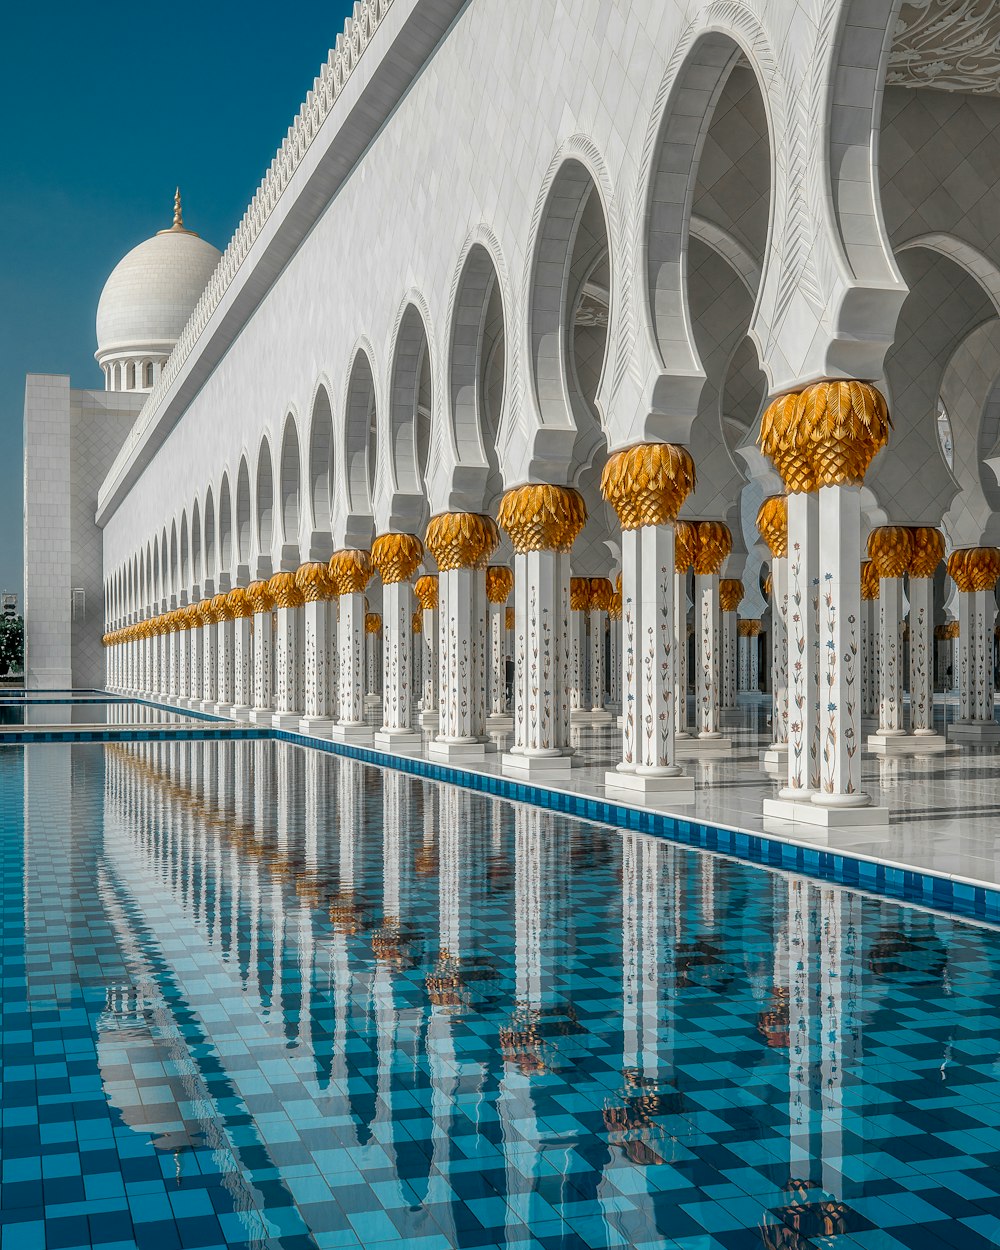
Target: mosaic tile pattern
x=258 y=995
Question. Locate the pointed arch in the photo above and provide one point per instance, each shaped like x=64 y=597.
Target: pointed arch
x=321 y=475
x=224 y=567
x=264 y=507
x=244 y=516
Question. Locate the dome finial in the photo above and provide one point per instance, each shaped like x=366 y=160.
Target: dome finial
x=178 y=215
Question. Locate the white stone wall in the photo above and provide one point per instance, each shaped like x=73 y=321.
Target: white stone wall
x=70 y=438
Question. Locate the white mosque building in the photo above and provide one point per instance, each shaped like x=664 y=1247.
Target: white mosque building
x=652 y=344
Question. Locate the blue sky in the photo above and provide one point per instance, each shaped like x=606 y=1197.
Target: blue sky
x=103 y=110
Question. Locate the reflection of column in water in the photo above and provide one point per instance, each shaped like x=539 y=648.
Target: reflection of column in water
x=799 y=1027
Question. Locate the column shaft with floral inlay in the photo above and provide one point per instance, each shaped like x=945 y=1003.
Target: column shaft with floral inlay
x=890 y=548
x=461 y=543
x=579 y=605
x=928 y=552
x=222 y=631
x=714 y=543
x=599 y=601
x=397 y=557
x=975 y=571
x=772 y=522
x=288 y=603
x=869 y=638
x=646 y=486
x=499 y=584
x=351 y=571
x=543 y=522
x=317 y=588
x=685 y=544
x=262 y=604
x=730 y=597
x=426 y=591
x=242 y=614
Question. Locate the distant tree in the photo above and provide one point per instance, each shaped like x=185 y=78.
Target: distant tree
x=11 y=645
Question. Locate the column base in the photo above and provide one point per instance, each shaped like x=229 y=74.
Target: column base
x=240 y=711
x=402 y=740
x=974 y=732
x=679 y=788
x=775 y=756
x=702 y=746
x=317 y=726
x=285 y=720
x=908 y=744
x=803 y=812
x=373 y=700
x=521 y=765
x=357 y=735
x=261 y=715
x=456 y=752
x=428 y=720
x=500 y=720
x=220 y=709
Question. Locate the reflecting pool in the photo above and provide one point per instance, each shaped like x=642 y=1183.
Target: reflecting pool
x=89 y=711
x=254 y=994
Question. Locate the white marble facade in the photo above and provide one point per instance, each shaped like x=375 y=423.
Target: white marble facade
x=615 y=224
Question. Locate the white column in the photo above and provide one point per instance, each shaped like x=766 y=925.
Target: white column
x=803 y=645
x=263 y=650
x=753 y=661
x=706 y=603
x=541 y=658
x=578 y=660
x=429 y=668
x=287 y=662
x=397 y=667
x=196 y=637
x=498 y=662
x=921 y=656
x=647 y=765
x=174 y=662
x=597 y=661
x=462 y=667
x=681 y=723
x=839 y=636
x=615 y=661
x=317 y=710
x=890 y=625
x=869 y=678
x=209 y=663
x=729 y=683
x=351 y=646
x=184 y=663
x=744 y=664
x=242 y=672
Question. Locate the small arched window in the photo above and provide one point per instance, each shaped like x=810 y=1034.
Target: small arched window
x=945 y=439
x=130 y=376
x=147 y=374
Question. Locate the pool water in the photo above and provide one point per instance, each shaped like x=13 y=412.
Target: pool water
x=89 y=711
x=258 y=995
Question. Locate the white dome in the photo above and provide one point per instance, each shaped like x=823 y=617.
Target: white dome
x=152 y=292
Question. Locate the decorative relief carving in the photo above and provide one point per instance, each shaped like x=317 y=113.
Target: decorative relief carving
x=951 y=45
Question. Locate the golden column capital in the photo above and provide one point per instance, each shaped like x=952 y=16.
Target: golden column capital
x=928 y=550
x=685 y=545
x=974 y=568
x=772 y=522
x=615 y=609
x=220 y=608
x=284 y=591
x=351 y=570
x=869 y=580
x=731 y=594
x=646 y=485
x=239 y=603
x=601 y=594
x=579 y=594
x=715 y=542
x=373 y=623
x=259 y=597
x=890 y=548
x=826 y=435
x=203 y=612
x=314 y=582
x=461 y=540
x=191 y=620
x=426 y=590
x=397 y=557
x=499 y=582
x=753 y=627
x=417 y=622
x=542 y=517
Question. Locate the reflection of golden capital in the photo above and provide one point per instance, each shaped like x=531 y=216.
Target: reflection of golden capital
x=714 y=543
x=373 y=623
x=928 y=550
x=351 y=571
x=397 y=556
x=426 y=590
x=499 y=583
x=869 y=580
x=542 y=518
x=314 y=582
x=772 y=521
x=685 y=545
x=461 y=540
x=730 y=594
x=646 y=485
x=579 y=593
x=417 y=622
x=259 y=597
x=508 y=618
x=974 y=568
x=615 y=610
x=601 y=593
x=890 y=548
x=284 y=591
x=239 y=603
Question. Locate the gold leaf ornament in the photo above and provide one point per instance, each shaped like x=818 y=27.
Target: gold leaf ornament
x=542 y=517
x=579 y=594
x=499 y=583
x=890 y=549
x=601 y=594
x=351 y=570
x=714 y=543
x=397 y=557
x=772 y=522
x=314 y=582
x=426 y=590
x=928 y=550
x=284 y=591
x=685 y=545
x=259 y=597
x=730 y=594
x=461 y=540
x=646 y=485
x=848 y=424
